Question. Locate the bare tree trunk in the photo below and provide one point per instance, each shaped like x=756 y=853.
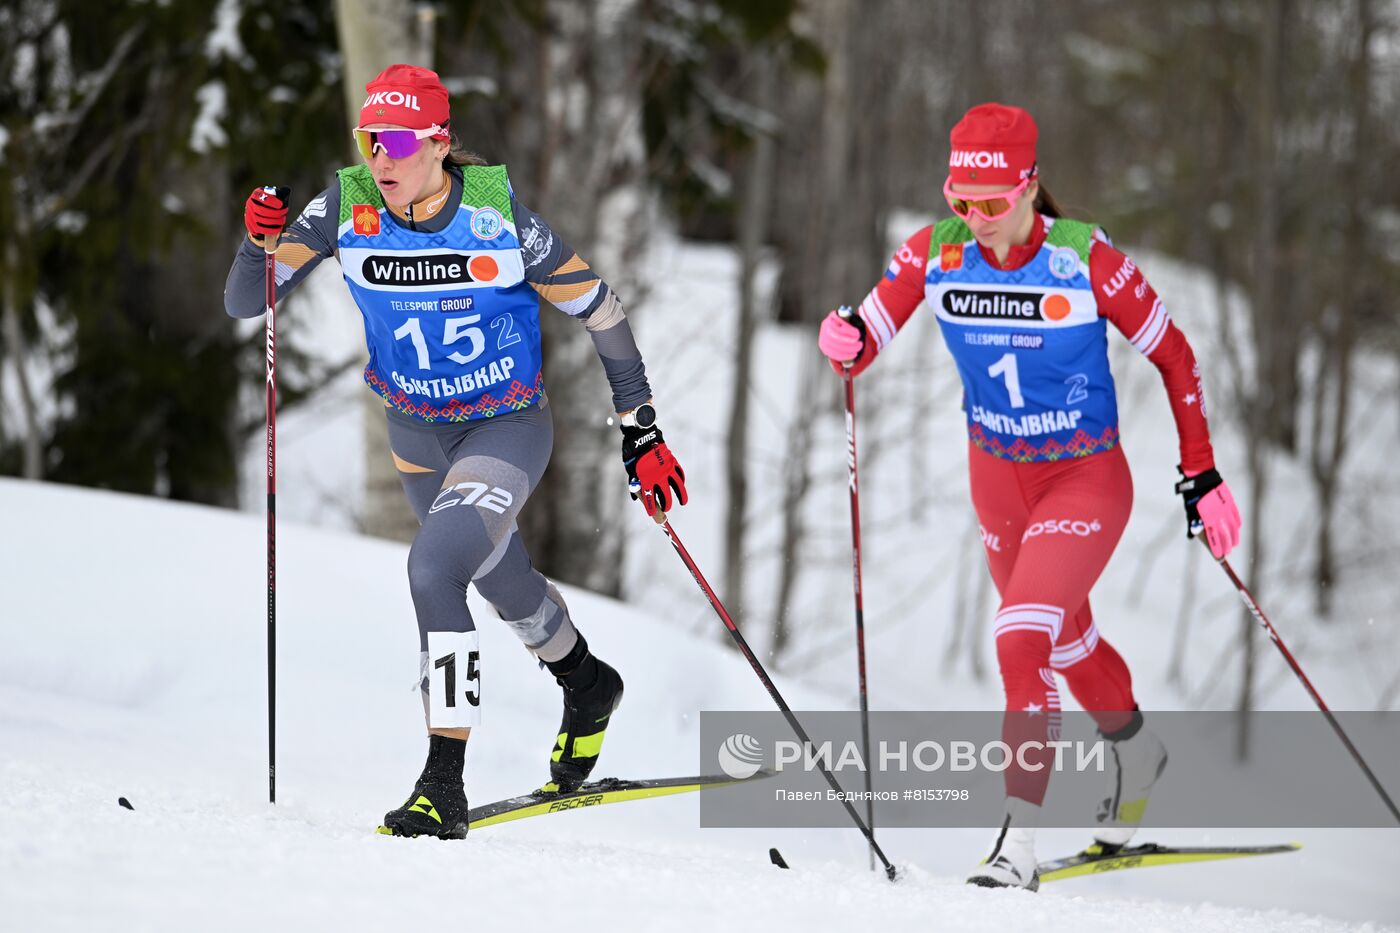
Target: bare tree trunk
x=425 y=32
x=1329 y=447
x=917 y=424
x=969 y=577
x=19 y=357
x=797 y=479
x=981 y=610
x=753 y=228
x=591 y=165
x=1268 y=337
x=373 y=35
x=19 y=236
x=820 y=266
x=1176 y=668
x=837 y=255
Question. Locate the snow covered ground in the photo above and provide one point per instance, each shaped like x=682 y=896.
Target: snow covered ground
x=922 y=571
x=131 y=664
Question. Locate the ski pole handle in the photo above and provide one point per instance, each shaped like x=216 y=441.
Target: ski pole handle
x=848 y=315
x=282 y=194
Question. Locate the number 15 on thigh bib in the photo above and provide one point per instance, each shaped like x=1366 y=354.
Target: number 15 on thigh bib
x=454 y=680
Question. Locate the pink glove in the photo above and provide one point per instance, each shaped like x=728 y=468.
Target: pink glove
x=1221 y=518
x=1210 y=508
x=841 y=341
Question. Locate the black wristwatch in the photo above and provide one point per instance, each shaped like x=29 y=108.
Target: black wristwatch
x=643 y=416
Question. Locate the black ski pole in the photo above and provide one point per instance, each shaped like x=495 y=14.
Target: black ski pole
x=854 y=486
x=1297 y=669
x=768 y=684
x=270 y=283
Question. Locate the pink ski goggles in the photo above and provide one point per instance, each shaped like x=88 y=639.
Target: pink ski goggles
x=993 y=206
x=394 y=143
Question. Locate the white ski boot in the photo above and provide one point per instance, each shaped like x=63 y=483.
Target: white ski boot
x=1012 y=863
x=1136 y=760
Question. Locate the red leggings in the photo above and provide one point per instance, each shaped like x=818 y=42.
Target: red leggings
x=1049 y=530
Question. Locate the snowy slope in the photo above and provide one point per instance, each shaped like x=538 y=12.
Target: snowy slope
x=131 y=663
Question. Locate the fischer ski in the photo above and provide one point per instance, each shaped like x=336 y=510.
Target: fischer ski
x=591 y=794
x=1099 y=858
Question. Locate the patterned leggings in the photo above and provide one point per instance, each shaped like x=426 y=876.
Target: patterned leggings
x=1049 y=530
x=467 y=483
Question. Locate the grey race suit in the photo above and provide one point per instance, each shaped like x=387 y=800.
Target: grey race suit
x=507 y=454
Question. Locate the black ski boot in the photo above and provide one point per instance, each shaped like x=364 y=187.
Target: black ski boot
x=592 y=690
x=438 y=804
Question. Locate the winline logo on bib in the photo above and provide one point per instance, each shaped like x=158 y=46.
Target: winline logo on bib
x=1006 y=306
x=439 y=269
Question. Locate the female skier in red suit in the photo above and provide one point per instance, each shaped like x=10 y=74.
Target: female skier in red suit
x=1023 y=297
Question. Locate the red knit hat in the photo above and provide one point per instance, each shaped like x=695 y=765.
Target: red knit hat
x=993 y=144
x=408 y=96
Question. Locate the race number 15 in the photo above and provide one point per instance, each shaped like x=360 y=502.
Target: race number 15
x=453 y=330
x=454 y=679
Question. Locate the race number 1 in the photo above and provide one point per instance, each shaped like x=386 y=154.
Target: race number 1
x=1006 y=366
x=454 y=680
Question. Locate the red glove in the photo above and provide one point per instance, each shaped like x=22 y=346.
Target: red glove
x=652 y=471
x=266 y=212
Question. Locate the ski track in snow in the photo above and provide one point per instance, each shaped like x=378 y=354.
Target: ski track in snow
x=131 y=664
x=186 y=861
